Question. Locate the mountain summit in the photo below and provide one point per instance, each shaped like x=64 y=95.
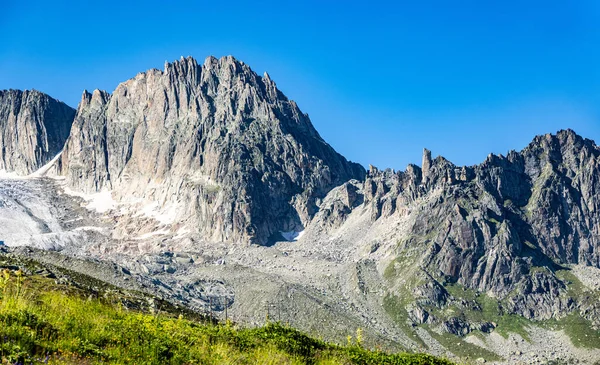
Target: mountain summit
x=239 y=160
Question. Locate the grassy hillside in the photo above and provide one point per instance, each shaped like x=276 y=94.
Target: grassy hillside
x=42 y=321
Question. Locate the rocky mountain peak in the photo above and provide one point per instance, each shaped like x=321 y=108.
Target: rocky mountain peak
x=488 y=225
x=34 y=129
x=239 y=159
x=186 y=69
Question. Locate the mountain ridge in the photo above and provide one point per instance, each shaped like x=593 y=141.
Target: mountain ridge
x=221 y=130
x=214 y=184
x=489 y=227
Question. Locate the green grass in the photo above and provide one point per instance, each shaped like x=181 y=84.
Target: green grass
x=505 y=323
x=398 y=266
x=575 y=288
x=395 y=307
x=578 y=329
x=40 y=320
x=462 y=348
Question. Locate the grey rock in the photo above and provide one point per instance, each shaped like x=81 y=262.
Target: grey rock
x=34 y=129
x=431 y=293
x=243 y=160
x=491 y=227
x=456 y=326
x=417 y=314
x=337 y=206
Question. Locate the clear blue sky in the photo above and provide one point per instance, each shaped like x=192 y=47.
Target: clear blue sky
x=379 y=79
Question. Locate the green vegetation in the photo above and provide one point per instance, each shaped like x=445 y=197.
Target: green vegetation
x=578 y=329
x=395 y=307
x=494 y=221
x=463 y=349
x=43 y=322
x=399 y=265
x=575 y=288
x=505 y=323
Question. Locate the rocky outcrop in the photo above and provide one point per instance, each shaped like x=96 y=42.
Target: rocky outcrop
x=540 y=288
x=489 y=227
x=338 y=205
x=239 y=159
x=34 y=129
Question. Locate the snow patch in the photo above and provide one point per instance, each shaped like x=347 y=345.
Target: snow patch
x=101 y=202
x=89 y=228
x=9 y=175
x=42 y=171
x=165 y=215
x=291 y=235
x=159 y=232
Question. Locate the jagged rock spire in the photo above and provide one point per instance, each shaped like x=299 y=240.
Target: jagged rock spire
x=426 y=164
x=241 y=159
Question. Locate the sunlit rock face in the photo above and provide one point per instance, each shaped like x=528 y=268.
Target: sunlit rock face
x=502 y=227
x=238 y=159
x=34 y=128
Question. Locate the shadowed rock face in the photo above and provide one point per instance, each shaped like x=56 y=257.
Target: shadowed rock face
x=494 y=226
x=240 y=159
x=34 y=129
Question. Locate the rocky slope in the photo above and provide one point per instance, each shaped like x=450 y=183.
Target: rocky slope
x=238 y=160
x=510 y=228
x=34 y=129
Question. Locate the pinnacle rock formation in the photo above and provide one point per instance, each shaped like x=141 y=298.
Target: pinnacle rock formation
x=34 y=129
x=504 y=227
x=239 y=160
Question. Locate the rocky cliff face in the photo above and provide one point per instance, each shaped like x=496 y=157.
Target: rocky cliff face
x=239 y=160
x=34 y=129
x=505 y=227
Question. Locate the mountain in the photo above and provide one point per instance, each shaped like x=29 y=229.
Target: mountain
x=158 y=181
x=504 y=228
x=34 y=129
x=238 y=160
x=460 y=247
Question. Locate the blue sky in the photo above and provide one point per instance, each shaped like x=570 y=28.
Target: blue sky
x=379 y=79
